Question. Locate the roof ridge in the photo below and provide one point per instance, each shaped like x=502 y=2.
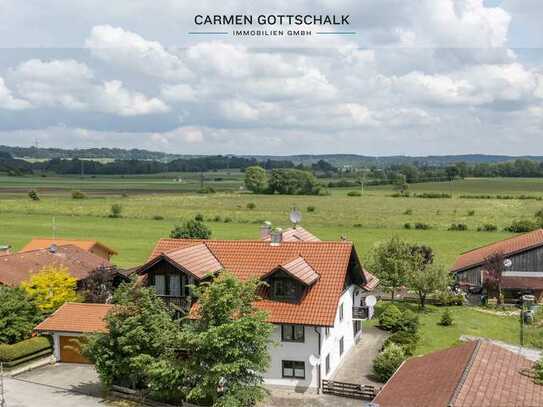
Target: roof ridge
x=339 y=242
x=213 y=254
x=503 y=240
x=63 y=238
x=465 y=373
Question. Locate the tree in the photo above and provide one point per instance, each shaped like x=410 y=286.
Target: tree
x=452 y=172
x=492 y=277
x=400 y=184
x=139 y=330
x=228 y=342
x=388 y=361
x=116 y=211
x=191 y=229
x=51 y=287
x=392 y=262
x=256 y=179
x=427 y=279
x=293 y=182
x=98 y=286
x=18 y=315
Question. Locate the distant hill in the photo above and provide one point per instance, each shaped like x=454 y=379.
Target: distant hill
x=338 y=160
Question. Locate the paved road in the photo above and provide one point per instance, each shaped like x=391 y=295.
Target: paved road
x=19 y=393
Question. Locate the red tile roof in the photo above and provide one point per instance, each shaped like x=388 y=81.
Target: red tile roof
x=508 y=247
x=477 y=373
x=18 y=267
x=76 y=318
x=197 y=260
x=297 y=234
x=44 y=243
x=248 y=259
x=301 y=270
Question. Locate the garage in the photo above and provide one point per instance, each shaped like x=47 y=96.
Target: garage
x=68 y=326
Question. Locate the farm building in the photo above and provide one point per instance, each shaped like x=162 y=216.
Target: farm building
x=92 y=246
x=523 y=266
x=18 y=267
x=477 y=373
x=314 y=296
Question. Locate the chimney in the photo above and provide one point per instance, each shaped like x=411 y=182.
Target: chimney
x=265 y=230
x=53 y=248
x=5 y=250
x=276 y=236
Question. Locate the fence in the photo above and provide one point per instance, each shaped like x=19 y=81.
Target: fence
x=350 y=390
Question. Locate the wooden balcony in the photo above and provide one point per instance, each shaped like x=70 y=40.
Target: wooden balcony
x=360 y=313
x=177 y=303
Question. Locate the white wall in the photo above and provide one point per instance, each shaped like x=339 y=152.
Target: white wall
x=302 y=351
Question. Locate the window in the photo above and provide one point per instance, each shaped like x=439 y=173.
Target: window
x=293 y=369
x=341 y=347
x=357 y=326
x=292 y=333
x=285 y=288
x=327 y=363
x=175 y=285
x=341 y=313
x=160 y=284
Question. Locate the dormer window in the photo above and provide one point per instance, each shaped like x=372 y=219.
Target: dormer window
x=285 y=288
x=289 y=280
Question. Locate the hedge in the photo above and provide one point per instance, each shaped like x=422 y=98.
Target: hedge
x=24 y=348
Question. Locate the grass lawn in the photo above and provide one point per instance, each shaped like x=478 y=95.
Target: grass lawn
x=467 y=321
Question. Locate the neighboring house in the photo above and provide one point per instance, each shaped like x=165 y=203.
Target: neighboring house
x=294 y=234
x=69 y=323
x=92 y=246
x=314 y=297
x=523 y=276
x=18 y=267
x=474 y=374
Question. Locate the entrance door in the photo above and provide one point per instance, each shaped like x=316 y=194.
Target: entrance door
x=70 y=351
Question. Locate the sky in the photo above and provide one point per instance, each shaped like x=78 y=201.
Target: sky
x=417 y=77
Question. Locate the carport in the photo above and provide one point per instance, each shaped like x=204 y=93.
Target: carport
x=69 y=324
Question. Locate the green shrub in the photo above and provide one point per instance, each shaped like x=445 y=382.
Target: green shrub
x=407 y=225
x=158 y=217
x=24 y=348
x=407 y=340
x=33 y=194
x=217 y=218
x=422 y=226
x=448 y=298
x=206 y=190
x=458 y=226
x=357 y=225
x=487 y=227
x=18 y=315
x=538 y=370
x=390 y=318
x=191 y=229
x=409 y=322
x=408 y=212
x=199 y=217
x=446 y=318
x=78 y=195
x=471 y=213
x=311 y=208
x=521 y=226
x=388 y=361
x=228 y=220
x=116 y=211
x=354 y=193
x=433 y=195
x=251 y=205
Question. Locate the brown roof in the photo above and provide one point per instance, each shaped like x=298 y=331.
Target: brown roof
x=249 y=258
x=76 y=318
x=44 y=243
x=18 y=267
x=297 y=234
x=477 y=373
x=521 y=283
x=508 y=247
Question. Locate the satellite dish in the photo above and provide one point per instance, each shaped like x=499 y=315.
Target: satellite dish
x=507 y=263
x=313 y=360
x=370 y=300
x=295 y=216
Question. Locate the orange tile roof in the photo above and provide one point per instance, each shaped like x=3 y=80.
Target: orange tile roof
x=508 y=247
x=297 y=234
x=477 y=373
x=44 y=243
x=256 y=258
x=76 y=318
x=197 y=260
x=18 y=267
x=301 y=270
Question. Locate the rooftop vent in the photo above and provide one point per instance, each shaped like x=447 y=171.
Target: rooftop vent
x=276 y=236
x=265 y=230
x=53 y=248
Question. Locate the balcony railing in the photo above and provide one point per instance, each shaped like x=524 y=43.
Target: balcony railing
x=176 y=303
x=360 y=313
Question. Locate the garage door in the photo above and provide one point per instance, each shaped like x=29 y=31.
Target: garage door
x=70 y=350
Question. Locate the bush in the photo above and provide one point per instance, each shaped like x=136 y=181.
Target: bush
x=18 y=315
x=458 y=226
x=448 y=298
x=390 y=318
x=206 y=190
x=217 y=218
x=24 y=348
x=33 y=195
x=354 y=193
x=116 y=211
x=227 y=219
x=433 y=195
x=78 y=195
x=521 y=226
x=158 y=217
x=471 y=213
x=191 y=229
x=199 y=217
x=407 y=225
x=487 y=227
x=311 y=208
x=422 y=226
x=408 y=212
x=446 y=318
x=409 y=322
x=407 y=340
x=357 y=225
x=251 y=205
x=388 y=361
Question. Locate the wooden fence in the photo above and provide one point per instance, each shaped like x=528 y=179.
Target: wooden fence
x=350 y=390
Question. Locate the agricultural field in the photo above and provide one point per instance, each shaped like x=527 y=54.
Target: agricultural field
x=152 y=205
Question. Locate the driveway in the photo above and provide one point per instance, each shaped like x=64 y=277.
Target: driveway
x=356 y=365
x=73 y=377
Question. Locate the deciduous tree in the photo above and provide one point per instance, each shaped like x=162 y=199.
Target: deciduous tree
x=256 y=179
x=191 y=229
x=18 y=315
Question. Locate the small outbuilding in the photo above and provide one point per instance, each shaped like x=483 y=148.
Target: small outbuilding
x=92 y=246
x=68 y=324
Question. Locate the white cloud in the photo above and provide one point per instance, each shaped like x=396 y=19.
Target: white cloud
x=8 y=101
x=179 y=93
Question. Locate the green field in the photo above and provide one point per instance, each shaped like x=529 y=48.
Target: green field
x=366 y=220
